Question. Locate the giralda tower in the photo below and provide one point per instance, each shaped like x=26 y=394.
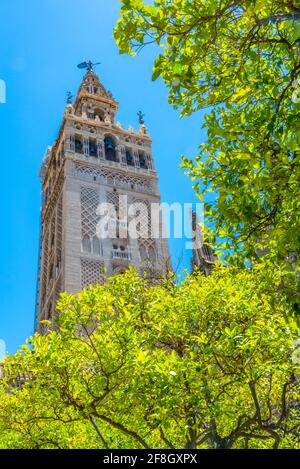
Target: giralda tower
x=93 y=160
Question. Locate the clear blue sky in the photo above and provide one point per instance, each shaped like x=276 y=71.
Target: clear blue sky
x=41 y=43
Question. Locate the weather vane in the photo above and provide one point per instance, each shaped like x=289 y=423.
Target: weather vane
x=70 y=97
x=141 y=117
x=88 y=65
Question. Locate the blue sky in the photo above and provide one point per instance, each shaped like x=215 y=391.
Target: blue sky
x=41 y=43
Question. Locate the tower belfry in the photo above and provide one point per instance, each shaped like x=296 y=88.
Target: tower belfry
x=94 y=160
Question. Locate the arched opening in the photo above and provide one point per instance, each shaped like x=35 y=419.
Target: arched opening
x=86 y=244
x=110 y=149
x=129 y=158
x=143 y=162
x=93 y=148
x=96 y=246
x=78 y=144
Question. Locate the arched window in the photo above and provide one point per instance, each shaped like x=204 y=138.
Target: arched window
x=93 y=148
x=86 y=244
x=143 y=253
x=96 y=246
x=110 y=149
x=152 y=254
x=129 y=158
x=78 y=144
x=143 y=163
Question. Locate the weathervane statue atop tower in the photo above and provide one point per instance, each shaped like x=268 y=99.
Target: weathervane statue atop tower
x=89 y=65
x=141 y=118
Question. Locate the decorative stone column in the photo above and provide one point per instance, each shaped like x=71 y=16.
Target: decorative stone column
x=136 y=159
x=118 y=153
x=123 y=155
x=100 y=149
x=86 y=147
x=149 y=161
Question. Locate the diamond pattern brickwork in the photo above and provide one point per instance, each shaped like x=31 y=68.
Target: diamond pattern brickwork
x=116 y=179
x=91 y=272
x=89 y=204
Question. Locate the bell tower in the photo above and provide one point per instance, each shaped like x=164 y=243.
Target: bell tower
x=94 y=160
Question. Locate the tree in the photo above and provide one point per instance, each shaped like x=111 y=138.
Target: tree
x=206 y=363
x=241 y=61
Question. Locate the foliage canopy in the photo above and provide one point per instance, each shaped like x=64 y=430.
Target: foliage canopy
x=205 y=363
x=240 y=60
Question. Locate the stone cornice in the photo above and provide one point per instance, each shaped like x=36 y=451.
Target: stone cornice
x=117 y=168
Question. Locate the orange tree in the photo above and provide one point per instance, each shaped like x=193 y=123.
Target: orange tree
x=206 y=363
x=240 y=60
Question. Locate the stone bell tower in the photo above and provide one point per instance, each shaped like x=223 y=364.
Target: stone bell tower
x=94 y=160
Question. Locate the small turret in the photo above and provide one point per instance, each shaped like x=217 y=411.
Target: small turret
x=204 y=257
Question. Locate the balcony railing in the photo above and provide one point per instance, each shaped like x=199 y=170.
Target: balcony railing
x=115 y=164
x=123 y=255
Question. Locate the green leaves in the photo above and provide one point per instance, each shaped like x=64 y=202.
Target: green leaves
x=171 y=360
x=241 y=62
x=209 y=359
